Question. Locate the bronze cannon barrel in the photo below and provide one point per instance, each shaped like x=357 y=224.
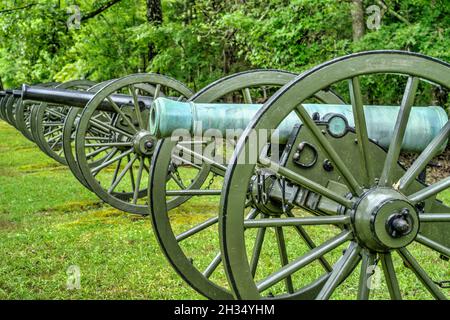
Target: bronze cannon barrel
x=168 y=118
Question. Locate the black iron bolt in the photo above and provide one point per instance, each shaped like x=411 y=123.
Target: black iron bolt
x=149 y=145
x=327 y=165
x=400 y=224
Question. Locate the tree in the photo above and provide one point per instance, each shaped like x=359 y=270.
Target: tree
x=154 y=17
x=357 y=19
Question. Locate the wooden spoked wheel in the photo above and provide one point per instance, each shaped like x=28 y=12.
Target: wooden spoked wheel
x=192 y=245
x=47 y=122
x=125 y=145
x=366 y=210
x=23 y=114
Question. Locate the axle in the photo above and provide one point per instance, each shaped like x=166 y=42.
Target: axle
x=168 y=117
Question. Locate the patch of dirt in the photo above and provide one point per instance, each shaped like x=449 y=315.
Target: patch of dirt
x=7 y=225
x=77 y=206
x=438 y=168
x=33 y=168
x=8 y=172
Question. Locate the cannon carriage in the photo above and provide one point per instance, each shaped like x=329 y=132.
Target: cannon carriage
x=315 y=192
x=332 y=172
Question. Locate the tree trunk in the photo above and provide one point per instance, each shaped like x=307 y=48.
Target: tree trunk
x=358 y=19
x=155 y=17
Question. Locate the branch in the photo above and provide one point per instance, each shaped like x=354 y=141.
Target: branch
x=96 y=12
x=395 y=14
x=18 y=8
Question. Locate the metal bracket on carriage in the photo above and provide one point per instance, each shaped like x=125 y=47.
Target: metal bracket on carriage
x=267 y=192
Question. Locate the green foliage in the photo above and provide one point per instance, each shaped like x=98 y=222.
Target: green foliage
x=202 y=40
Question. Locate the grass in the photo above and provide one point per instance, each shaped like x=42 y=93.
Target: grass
x=49 y=222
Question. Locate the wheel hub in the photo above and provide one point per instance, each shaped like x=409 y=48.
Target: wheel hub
x=384 y=220
x=144 y=143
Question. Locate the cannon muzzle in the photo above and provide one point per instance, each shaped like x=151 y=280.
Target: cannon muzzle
x=77 y=99
x=172 y=118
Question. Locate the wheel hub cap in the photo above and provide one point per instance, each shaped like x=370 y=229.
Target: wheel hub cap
x=144 y=143
x=384 y=220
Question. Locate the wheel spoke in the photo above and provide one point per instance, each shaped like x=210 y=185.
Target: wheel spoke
x=304 y=260
x=97 y=169
x=115 y=183
x=89 y=138
x=329 y=150
x=137 y=109
x=177 y=181
x=145 y=166
x=387 y=178
x=55 y=113
x=201 y=158
x=133 y=183
x=109 y=144
x=212 y=266
x=257 y=249
x=94 y=129
x=425 y=157
x=434 y=217
x=430 y=191
x=106 y=126
x=157 y=91
x=175 y=157
x=310 y=243
x=96 y=152
x=421 y=274
x=340 y=270
x=433 y=245
x=247 y=96
x=116 y=171
x=285 y=222
x=138 y=180
x=122 y=114
x=200 y=227
x=390 y=276
x=367 y=263
x=52 y=124
x=301 y=180
x=59 y=138
x=283 y=257
x=361 y=129
x=111 y=154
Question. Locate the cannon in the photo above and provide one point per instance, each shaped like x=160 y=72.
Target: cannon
x=326 y=201
x=7 y=101
x=306 y=177
x=121 y=140
x=55 y=120
x=22 y=114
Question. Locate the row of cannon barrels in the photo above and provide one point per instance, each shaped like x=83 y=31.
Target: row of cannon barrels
x=301 y=175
